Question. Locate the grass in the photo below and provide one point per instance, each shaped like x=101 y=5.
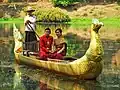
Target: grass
x=75 y=22
x=11 y=20
x=82 y=22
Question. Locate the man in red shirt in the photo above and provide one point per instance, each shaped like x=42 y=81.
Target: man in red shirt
x=46 y=42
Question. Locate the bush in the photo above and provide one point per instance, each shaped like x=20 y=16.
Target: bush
x=51 y=15
x=64 y=2
x=118 y=1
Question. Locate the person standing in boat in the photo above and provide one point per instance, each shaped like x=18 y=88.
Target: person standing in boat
x=30 y=26
x=45 y=47
x=59 y=45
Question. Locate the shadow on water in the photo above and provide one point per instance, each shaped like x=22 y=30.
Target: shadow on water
x=26 y=78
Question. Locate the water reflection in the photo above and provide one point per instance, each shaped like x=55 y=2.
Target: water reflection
x=6 y=77
x=41 y=27
x=5 y=30
x=75 y=48
x=32 y=79
x=116 y=58
x=23 y=82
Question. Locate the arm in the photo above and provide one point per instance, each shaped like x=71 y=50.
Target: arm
x=53 y=46
x=42 y=45
x=25 y=20
x=29 y=19
x=61 y=49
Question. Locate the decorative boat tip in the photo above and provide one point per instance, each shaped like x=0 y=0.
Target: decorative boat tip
x=96 y=21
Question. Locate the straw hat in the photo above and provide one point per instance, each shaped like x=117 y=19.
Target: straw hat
x=30 y=9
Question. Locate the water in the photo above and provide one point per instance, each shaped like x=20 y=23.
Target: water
x=13 y=77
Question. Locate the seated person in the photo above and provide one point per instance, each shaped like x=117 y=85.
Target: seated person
x=59 y=46
x=45 y=44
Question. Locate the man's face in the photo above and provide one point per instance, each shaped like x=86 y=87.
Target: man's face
x=30 y=13
x=58 y=33
x=47 y=32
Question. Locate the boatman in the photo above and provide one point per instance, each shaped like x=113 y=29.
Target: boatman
x=30 y=25
x=46 y=42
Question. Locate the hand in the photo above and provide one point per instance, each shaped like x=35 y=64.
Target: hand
x=58 y=52
x=27 y=22
x=50 y=51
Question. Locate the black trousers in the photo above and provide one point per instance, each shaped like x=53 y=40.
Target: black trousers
x=30 y=41
x=30 y=36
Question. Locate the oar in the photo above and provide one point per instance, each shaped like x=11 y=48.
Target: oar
x=33 y=30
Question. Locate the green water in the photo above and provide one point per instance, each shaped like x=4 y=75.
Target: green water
x=25 y=78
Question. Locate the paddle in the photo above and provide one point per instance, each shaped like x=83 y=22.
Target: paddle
x=33 y=30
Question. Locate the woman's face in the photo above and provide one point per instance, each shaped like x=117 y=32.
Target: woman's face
x=58 y=34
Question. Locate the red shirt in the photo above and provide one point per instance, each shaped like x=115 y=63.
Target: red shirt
x=46 y=43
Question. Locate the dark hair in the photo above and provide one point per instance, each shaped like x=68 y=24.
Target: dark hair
x=47 y=29
x=59 y=29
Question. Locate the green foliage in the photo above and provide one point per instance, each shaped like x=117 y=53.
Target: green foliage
x=51 y=15
x=118 y=1
x=109 y=1
x=64 y=2
x=69 y=2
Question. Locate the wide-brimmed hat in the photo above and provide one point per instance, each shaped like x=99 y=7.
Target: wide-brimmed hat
x=30 y=9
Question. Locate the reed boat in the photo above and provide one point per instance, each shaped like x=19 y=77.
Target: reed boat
x=89 y=66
